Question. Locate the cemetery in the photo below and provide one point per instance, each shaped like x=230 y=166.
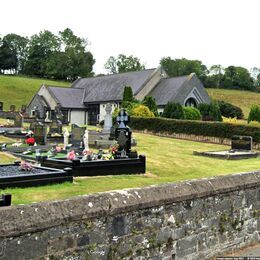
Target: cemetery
x=25 y=175
x=241 y=148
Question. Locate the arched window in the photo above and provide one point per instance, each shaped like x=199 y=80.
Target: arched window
x=190 y=102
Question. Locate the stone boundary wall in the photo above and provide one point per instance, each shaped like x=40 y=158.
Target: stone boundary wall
x=195 y=219
x=198 y=138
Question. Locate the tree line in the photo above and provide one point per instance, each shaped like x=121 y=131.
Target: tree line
x=62 y=57
x=65 y=57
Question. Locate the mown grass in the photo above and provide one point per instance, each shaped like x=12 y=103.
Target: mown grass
x=18 y=90
x=168 y=160
x=242 y=99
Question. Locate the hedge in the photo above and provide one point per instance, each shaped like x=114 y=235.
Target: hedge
x=214 y=129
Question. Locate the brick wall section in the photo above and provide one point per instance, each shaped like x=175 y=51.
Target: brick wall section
x=195 y=219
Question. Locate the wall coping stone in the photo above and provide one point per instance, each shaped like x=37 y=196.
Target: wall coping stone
x=22 y=219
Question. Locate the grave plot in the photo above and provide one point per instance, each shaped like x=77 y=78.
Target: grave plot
x=119 y=160
x=26 y=175
x=241 y=148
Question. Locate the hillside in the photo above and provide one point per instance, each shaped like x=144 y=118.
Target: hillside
x=242 y=99
x=16 y=90
x=20 y=90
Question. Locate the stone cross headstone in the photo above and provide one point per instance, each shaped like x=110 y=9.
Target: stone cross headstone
x=12 y=108
x=123 y=133
x=108 y=118
x=1 y=106
x=40 y=134
x=77 y=134
x=241 y=142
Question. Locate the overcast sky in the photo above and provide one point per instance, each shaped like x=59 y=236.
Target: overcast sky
x=214 y=31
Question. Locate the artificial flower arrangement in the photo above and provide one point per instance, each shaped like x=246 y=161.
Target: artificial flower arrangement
x=25 y=166
x=113 y=149
x=30 y=141
x=71 y=155
x=58 y=149
x=87 y=155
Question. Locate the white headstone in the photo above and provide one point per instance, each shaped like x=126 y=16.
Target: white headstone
x=108 y=118
x=85 y=140
x=66 y=135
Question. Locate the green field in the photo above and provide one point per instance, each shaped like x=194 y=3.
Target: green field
x=168 y=160
x=242 y=99
x=18 y=91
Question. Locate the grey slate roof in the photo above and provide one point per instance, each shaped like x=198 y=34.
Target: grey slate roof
x=67 y=97
x=111 y=87
x=167 y=89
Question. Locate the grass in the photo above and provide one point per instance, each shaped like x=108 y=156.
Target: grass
x=19 y=90
x=242 y=99
x=168 y=160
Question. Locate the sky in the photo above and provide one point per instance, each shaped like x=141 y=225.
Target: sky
x=222 y=32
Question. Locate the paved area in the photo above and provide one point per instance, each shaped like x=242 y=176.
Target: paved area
x=250 y=253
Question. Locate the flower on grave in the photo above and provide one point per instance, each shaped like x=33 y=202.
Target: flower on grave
x=71 y=155
x=25 y=166
x=87 y=155
x=108 y=156
x=30 y=141
x=113 y=149
x=58 y=149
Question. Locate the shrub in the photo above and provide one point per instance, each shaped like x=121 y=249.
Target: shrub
x=254 y=114
x=173 y=110
x=128 y=94
x=217 y=129
x=191 y=113
x=151 y=104
x=210 y=112
x=142 y=111
x=229 y=110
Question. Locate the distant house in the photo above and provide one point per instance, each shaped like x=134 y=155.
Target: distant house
x=84 y=102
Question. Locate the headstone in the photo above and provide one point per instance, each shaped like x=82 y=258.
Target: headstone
x=18 y=121
x=85 y=140
x=58 y=114
x=12 y=108
x=77 y=134
x=241 y=142
x=108 y=118
x=23 y=109
x=123 y=133
x=55 y=128
x=40 y=134
x=1 y=106
x=66 y=135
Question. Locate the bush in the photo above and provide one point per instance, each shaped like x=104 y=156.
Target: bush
x=210 y=112
x=229 y=110
x=173 y=110
x=128 y=94
x=142 y=111
x=151 y=104
x=217 y=129
x=191 y=113
x=254 y=114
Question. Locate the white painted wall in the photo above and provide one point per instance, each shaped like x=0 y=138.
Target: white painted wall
x=77 y=117
x=102 y=110
x=46 y=94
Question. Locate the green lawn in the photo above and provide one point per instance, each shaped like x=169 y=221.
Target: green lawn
x=168 y=160
x=242 y=99
x=20 y=90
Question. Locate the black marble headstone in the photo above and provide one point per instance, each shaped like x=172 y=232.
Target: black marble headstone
x=241 y=142
x=12 y=108
x=40 y=134
x=1 y=106
x=55 y=128
x=123 y=133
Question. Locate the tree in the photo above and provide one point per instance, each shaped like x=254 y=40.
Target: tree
x=141 y=111
x=123 y=63
x=41 y=47
x=128 y=94
x=181 y=67
x=19 y=48
x=151 y=104
x=8 y=59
